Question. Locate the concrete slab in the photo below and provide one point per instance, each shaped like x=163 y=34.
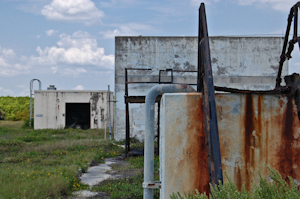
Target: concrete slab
x=96 y=174
x=84 y=194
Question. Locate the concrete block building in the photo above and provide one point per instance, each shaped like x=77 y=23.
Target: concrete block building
x=237 y=62
x=56 y=109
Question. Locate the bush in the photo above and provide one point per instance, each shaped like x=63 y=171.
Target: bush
x=22 y=116
x=26 y=123
x=15 y=108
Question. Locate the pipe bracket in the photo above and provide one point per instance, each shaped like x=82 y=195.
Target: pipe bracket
x=151 y=185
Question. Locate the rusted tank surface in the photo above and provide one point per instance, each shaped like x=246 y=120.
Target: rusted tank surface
x=183 y=157
x=255 y=130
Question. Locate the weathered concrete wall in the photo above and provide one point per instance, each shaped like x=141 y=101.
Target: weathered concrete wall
x=50 y=107
x=244 y=63
x=254 y=131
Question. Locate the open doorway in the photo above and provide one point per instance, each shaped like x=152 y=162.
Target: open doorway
x=78 y=115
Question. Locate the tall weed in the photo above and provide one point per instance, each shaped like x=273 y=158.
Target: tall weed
x=277 y=189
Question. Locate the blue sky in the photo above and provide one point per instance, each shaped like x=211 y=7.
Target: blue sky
x=70 y=43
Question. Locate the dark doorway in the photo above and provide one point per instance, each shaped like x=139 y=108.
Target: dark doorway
x=78 y=115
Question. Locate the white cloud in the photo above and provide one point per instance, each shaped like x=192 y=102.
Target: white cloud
x=78 y=49
x=9 y=65
x=79 y=87
x=54 y=69
x=24 y=90
x=51 y=32
x=130 y=29
x=4 y=92
x=73 y=72
x=38 y=36
x=83 y=11
x=68 y=71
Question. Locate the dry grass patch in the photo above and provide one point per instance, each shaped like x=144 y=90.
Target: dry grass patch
x=11 y=124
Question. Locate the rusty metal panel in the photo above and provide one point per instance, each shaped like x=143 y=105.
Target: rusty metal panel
x=255 y=131
x=183 y=160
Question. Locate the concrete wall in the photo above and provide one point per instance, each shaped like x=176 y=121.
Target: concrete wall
x=254 y=131
x=244 y=63
x=50 y=107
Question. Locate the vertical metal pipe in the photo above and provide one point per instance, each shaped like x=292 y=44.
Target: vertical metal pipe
x=283 y=56
x=30 y=114
x=199 y=73
x=127 y=116
x=31 y=94
x=296 y=19
x=149 y=131
x=158 y=125
x=209 y=106
x=159 y=76
x=109 y=117
x=171 y=76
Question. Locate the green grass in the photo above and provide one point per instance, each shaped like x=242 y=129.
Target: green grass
x=130 y=187
x=45 y=163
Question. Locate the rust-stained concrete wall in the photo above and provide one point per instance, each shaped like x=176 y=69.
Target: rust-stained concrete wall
x=183 y=157
x=50 y=107
x=239 y=62
x=254 y=130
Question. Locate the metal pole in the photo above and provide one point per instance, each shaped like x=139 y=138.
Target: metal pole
x=209 y=105
x=127 y=141
x=109 y=120
x=105 y=130
x=31 y=87
x=149 y=183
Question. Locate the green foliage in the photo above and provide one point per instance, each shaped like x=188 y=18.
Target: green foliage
x=15 y=108
x=2 y=113
x=26 y=123
x=277 y=189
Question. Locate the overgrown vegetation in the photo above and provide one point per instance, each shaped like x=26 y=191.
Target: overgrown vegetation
x=14 y=108
x=277 y=189
x=45 y=163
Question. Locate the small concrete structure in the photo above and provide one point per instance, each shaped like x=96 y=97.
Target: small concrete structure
x=57 y=109
x=237 y=62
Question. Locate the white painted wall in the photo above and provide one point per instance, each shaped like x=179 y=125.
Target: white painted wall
x=50 y=107
x=238 y=62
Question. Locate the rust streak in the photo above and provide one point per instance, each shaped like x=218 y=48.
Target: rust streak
x=288 y=155
x=249 y=139
x=197 y=147
x=258 y=143
x=239 y=182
